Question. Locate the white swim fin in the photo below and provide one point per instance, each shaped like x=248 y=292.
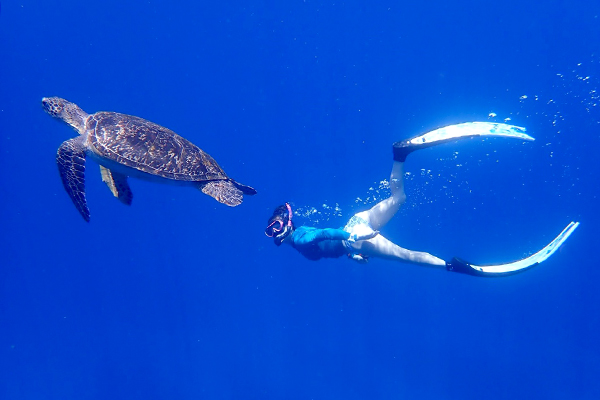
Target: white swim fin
x=459 y=265
x=456 y=132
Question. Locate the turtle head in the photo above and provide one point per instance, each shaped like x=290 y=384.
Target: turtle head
x=54 y=106
x=65 y=110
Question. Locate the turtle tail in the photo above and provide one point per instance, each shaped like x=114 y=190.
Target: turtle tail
x=248 y=190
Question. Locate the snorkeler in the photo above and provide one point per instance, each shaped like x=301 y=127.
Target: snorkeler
x=360 y=238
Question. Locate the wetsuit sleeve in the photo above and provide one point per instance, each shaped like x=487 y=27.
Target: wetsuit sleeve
x=318 y=235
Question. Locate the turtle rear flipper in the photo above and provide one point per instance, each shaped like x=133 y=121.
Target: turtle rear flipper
x=117 y=183
x=224 y=192
x=71 y=165
x=250 y=191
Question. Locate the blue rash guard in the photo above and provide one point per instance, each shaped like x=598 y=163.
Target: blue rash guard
x=315 y=243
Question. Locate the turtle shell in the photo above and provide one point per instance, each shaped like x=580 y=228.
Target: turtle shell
x=151 y=148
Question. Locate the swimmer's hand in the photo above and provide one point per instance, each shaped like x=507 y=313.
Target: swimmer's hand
x=359 y=258
x=355 y=237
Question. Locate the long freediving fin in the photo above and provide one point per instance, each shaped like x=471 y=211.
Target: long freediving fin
x=472 y=129
x=459 y=265
x=456 y=132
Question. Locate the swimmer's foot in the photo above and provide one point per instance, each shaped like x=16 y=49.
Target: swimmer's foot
x=404 y=147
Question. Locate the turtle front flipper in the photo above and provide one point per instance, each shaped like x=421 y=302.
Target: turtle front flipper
x=71 y=165
x=224 y=192
x=117 y=183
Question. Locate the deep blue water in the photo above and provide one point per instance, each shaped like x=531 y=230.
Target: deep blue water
x=180 y=297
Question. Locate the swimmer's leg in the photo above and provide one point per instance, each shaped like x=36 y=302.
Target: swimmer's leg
x=382 y=212
x=382 y=248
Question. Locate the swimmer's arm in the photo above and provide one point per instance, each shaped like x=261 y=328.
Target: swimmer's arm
x=320 y=235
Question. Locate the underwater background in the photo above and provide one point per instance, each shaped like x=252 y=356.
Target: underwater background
x=180 y=297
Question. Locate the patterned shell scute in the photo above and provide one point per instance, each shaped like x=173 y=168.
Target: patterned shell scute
x=150 y=148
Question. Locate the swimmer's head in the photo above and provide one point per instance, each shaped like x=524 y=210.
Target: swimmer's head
x=280 y=225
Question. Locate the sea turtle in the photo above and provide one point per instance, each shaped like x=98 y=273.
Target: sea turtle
x=128 y=146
